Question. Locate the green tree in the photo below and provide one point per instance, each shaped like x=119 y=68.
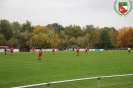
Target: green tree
x=6 y=29
x=73 y=42
x=23 y=38
x=2 y=40
x=73 y=31
x=12 y=42
x=93 y=34
x=86 y=40
x=104 y=40
x=63 y=44
x=16 y=29
x=56 y=27
x=90 y=29
x=62 y=35
x=80 y=42
x=27 y=27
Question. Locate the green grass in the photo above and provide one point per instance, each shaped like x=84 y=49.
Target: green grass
x=23 y=68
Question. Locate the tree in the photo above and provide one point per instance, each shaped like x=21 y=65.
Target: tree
x=125 y=37
x=23 y=38
x=80 y=42
x=12 y=42
x=40 y=40
x=90 y=30
x=16 y=29
x=86 y=41
x=27 y=27
x=113 y=36
x=2 y=40
x=56 y=27
x=73 y=42
x=93 y=34
x=62 y=35
x=73 y=31
x=104 y=40
x=63 y=44
x=6 y=29
x=44 y=37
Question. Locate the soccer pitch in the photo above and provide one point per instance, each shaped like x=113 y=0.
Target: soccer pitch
x=23 y=68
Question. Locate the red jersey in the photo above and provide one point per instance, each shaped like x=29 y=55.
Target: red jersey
x=86 y=49
x=12 y=49
x=33 y=49
x=40 y=53
x=77 y=49
x=53 y=49
x=5 y=49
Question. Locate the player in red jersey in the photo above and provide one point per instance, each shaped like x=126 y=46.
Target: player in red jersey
x=53 y=50
x=5 y=50
x=12 y=50
x=86 y=50
x=40 y=54
x=33 y=49
x=77 y=51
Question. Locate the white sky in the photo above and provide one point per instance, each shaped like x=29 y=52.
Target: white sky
x=100 y=13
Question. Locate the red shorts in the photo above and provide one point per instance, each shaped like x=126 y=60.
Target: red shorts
x=40 y=55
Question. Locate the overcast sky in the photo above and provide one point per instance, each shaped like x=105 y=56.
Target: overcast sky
x=100 y=13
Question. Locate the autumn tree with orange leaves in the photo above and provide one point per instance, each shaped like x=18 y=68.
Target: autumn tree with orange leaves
x=44 y=37
x=125 y=37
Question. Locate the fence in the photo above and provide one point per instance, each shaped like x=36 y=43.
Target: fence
x=73 y=80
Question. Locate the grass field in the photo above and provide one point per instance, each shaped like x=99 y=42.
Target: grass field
x=23 y=68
